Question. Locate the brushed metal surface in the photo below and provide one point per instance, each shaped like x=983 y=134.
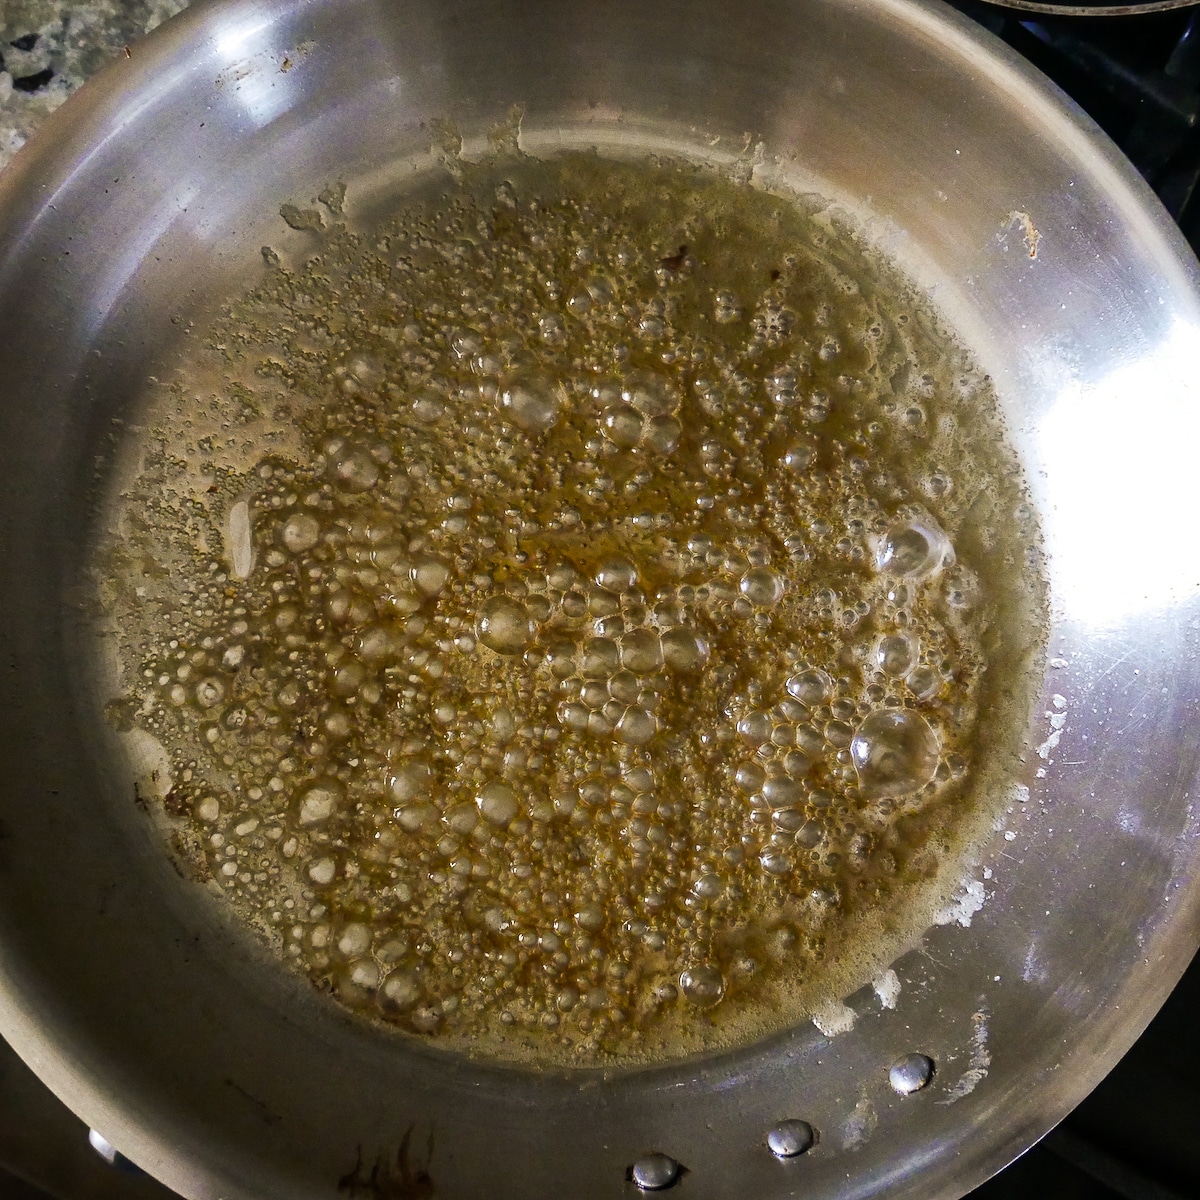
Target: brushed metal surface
x=149 y=195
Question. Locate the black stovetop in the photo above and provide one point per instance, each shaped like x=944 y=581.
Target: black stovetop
x=1137 y=77
x=1136 y=1136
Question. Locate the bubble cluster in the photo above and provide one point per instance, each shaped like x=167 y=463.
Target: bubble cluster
x=585 y=668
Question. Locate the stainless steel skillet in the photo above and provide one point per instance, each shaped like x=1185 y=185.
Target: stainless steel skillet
x=151 y=193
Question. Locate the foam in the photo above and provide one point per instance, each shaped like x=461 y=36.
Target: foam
x=514 y=597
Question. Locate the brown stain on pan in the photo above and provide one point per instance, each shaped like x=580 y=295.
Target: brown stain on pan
x=391 y=1177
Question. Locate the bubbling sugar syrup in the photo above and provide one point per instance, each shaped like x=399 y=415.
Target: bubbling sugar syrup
x=588 y=616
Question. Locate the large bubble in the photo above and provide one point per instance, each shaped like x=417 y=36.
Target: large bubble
x=895 y=753
x=914 y=548
x=504 y=625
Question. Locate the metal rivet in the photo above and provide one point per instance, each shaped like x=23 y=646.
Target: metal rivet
x=911 y=1074
x=106 y=1150
x=102 y=1146
x=790 y=1138
x=655 y=1172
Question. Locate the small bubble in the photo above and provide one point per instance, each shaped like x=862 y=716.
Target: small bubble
x=319 y=802
x=774 y=862
x=641 y=651
x=600 y=289
x=809 y=835
x=461 y=817
x=348 y=678
x=354 y=470
x=810 y=687
x=617 y=575
x=924 y=682
x=895 y=654
x=755 y=728
x=430 y=574
x=300 y=532
x=564 y=803
x=796 y=763
x=209 y=693
x=750 y=777
x=790 y=820
x=417 y=818
x=650 y=394
x=376 y=643
x=503 y=724
x=550 y=329
x=781 y=791
x=662 y=434
x=624 y=686
x=623 y=426
x=799 y=456
x=640 y=779
x=762 y=587
x=600 y=658
x=428 y=407
x=601 y=603
x=498 y=804
x=409 y=779
x=355 y=940
x=562 y=577
x=703 y=985
x=560 y=658
x=531 y=405
x=913 y=549
x=636 y=727
x=401 y=990
x=322 y=870
x=838 y=734
x=504 y=625
x=684 y=650
x=572 y=715
x=708 y=886
x=591 y=918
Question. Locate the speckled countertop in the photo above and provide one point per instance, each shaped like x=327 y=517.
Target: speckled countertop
x=48 y=48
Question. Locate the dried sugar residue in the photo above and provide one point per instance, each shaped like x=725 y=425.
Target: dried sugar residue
x=834 y=1018
x=859 y=1126
x=1057 y=718
x=887 y=988
x=979 y=1061
x=966 y=903
x=1029 y=231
